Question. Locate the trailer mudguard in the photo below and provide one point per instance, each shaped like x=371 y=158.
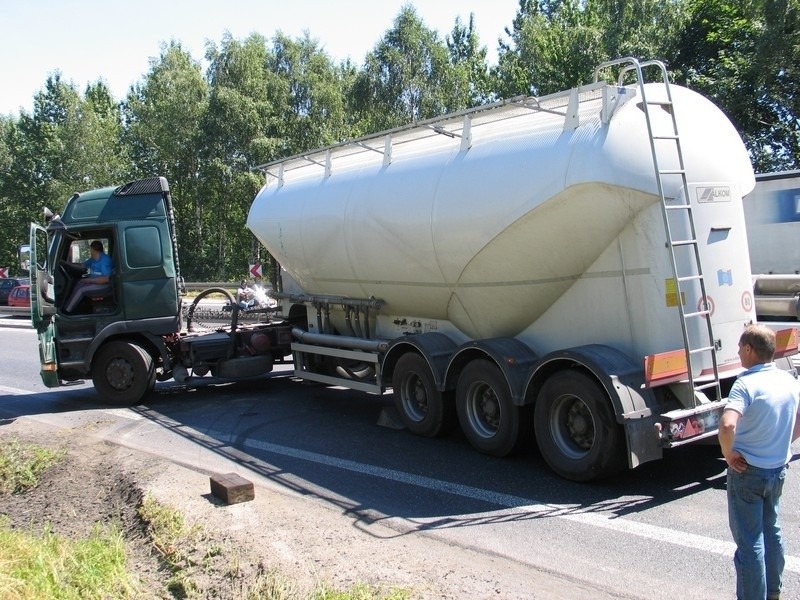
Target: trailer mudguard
x=512 y=357
x=635 y=407
x=435 y=347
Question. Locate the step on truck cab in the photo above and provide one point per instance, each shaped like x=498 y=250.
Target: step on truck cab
x=127 y=333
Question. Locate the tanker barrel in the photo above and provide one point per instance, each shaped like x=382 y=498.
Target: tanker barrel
x=778 y=306
x=786 y=284
x=339 y=341
x=338 y=300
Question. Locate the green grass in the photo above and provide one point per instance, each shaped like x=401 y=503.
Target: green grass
x=21 y=465
x=44 y=565
x=49 y=566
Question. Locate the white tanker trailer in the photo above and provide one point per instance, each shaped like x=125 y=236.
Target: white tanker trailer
x=570 y=268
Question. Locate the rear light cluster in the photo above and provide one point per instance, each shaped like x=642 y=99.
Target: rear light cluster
x=694 y=425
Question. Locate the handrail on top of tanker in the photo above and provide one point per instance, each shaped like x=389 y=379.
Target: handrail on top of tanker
x=433 y=124
x=634 y=65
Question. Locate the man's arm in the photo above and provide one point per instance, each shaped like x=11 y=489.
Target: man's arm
x=796 y=430
x=727 y=433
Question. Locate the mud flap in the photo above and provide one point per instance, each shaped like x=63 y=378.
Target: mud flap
x=644 y=444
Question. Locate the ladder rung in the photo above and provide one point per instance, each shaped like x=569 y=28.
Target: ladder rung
x=665 y=137
x=659 y=102
x=690 y=278
x=678 y=206
x=684 y=242
x=699 y=350
x=707 y=385
x=699 y=313
x=672 y=172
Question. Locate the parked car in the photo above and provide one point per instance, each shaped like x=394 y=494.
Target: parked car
x=8 y=284
x=20 y=296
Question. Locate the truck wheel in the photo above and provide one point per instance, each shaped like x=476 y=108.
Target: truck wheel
x=492 y=423
x=575 y=428
x=423 y=408
x=123 y=373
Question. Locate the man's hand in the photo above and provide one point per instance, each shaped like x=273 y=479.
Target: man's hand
x=736 y=462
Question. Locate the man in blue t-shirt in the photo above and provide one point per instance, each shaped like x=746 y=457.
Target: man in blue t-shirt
x=756 y=431
x=98 y=276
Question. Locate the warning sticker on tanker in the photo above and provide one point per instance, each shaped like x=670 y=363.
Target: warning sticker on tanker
x=671 y=289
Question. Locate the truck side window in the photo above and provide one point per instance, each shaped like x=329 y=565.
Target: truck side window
x=143 y=247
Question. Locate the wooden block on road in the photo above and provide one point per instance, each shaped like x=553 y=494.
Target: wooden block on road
x=232 y=488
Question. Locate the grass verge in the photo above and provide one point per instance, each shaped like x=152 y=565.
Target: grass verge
x=37 y=565
x=21 y=465
x=49 y=566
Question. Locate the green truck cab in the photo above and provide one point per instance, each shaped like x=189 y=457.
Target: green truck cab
x=127 y=333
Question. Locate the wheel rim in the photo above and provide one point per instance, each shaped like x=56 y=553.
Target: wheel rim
x=483 y=409
x=120 y=374
x=572 y=426
x=415 y=398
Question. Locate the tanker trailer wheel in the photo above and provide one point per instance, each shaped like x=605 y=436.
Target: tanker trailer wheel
x=492 y=423
x=423 y=409
x=575 y=428
x=123 y=373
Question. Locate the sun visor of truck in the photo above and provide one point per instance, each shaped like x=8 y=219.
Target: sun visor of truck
x=153 y=185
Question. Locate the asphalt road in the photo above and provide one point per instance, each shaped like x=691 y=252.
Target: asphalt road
x=659 y=531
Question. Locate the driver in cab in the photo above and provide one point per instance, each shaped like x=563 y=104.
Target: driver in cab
x=97 y=277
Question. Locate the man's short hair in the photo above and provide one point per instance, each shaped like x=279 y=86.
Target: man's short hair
x=762 y=339
x=96 y=245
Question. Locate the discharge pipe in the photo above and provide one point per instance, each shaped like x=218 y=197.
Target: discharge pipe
x=339 y=341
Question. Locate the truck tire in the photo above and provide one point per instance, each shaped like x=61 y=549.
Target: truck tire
x=492 y=423
x=423 y=409
x=575 y=428
x=123 y=373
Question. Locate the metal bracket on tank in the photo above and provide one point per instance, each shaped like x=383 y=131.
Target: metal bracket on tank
x=614 y=98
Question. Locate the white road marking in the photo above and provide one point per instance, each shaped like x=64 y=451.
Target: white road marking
x=519 y=504
x=15 y=391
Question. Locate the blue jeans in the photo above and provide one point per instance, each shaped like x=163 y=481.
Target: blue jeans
x=753 y=501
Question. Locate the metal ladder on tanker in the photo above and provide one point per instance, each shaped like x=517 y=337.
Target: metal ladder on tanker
x=672 y=138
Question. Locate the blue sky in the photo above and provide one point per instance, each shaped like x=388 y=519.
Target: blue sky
x=113 y=40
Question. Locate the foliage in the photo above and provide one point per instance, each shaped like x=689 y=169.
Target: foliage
x=262 y=99
x=408 y=76
x=21 y=465
x=746 y=57
x=50 y=566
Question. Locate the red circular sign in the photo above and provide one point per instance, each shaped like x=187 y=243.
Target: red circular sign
x=747 y=301
x=709 y=302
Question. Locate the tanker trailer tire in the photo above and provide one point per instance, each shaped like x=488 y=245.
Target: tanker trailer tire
x=493 y=424
x=123 y=373
x=423 y=409
x=575 y=428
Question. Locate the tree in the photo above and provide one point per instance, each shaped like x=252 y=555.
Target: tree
x=745 y=56
x=69 y=143
x=468 y=58
x=406 y=77
x=163 y=114
x=556 y=44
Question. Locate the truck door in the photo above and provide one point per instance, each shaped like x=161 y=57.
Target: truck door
x=43 y=305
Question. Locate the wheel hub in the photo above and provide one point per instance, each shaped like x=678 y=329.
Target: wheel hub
x=580 y=425
x=119 y=374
